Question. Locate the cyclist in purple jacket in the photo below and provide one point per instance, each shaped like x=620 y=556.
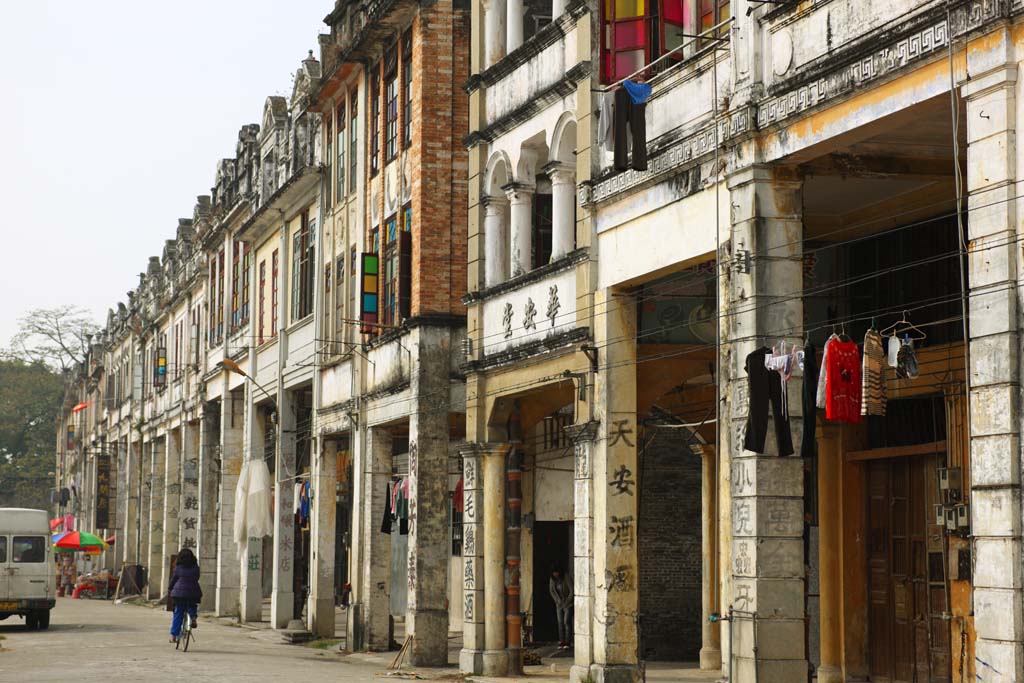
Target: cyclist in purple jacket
x=185 y=591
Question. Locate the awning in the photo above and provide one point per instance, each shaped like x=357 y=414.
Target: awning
x=80 y=407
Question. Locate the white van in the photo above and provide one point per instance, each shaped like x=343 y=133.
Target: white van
x=28 y=577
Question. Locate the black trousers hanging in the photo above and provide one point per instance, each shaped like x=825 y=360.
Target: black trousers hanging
x=765 y=386
x=629 y=118
x=809 y=442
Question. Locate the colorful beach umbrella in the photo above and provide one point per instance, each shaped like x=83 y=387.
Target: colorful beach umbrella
x=78 y=540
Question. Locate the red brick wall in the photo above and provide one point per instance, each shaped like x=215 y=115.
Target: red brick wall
x=439 y=163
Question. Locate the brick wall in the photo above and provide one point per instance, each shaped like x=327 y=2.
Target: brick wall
x=670 y=547
x=439 y=162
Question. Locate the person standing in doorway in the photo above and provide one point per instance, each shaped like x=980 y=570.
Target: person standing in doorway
x=560 y=587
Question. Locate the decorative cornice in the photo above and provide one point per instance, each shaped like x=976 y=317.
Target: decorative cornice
x=561 y=342
x=565 y=263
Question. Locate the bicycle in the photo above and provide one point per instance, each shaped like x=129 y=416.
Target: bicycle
x=185 y=637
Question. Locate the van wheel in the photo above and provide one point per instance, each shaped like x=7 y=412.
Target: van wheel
x=44 y=619
x=31 y=621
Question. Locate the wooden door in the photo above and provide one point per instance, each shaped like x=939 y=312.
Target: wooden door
x=909 y=640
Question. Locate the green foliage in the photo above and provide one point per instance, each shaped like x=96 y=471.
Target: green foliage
x=30 y=396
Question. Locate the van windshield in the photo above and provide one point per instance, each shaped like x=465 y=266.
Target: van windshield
x=29 y=549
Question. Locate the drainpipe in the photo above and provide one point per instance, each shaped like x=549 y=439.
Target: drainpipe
x=513 y=542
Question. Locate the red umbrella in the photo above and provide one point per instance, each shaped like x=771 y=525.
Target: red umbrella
x=54 y=523
x=111 y=538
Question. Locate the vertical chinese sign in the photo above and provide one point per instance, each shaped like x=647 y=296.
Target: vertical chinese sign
x=103 y=490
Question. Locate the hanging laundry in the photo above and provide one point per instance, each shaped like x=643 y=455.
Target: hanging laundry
x=872 y=375
x=809 y=442
x=631 y=125
x=385 y=524
x=892 y=350
x=765 y=387
x=604 y=122
x=823 y=374
x=842 y=395
x=906 y=360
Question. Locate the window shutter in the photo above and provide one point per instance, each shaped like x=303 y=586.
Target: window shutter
x=405 y=274
x=296 y=275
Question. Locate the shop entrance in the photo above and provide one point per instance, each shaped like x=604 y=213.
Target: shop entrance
x=552 y=549
x=908 y=638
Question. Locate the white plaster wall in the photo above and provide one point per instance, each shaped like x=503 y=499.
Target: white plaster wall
x=552 y=482
x=336 y=383
x=511 y=143
x=634 y=241
x=528 y=79
x=494 y=339
x=266 y=364
x=387 y=366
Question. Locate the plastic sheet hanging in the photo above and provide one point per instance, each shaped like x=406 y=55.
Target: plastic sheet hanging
x=253 y=503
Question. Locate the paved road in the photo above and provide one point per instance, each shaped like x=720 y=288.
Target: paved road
x=93 y=640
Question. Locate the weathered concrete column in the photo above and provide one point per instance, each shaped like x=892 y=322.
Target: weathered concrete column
x=204 y=507
x=374 y=572
x=495 y=656
x=563 y=209
x=514 y=25
x=471 y=656
x=282 y=599
x=250 y=562
x=130 y=547
x=994 y=168
x=188 y=507
x=158 y=492
x=767 y=490
x=429 y=548
x=494 y=31
x=145 y=511
x=495 y=241
x=614 y=474
x=583 y=436
x=172 y=503
x=232 y=436
x=323 y=522
x=830 y=530
x=711 y=634
x=520 y=232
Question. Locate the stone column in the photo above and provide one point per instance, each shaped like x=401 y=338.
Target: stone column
x=614 y=476
x=323 y=522
x=250 y=562
x=767 y=490
x=514 y=26
x=205 y=508
x=520 y=232
x=830 y=533
x=158 y=455
x=711 y=635
x=429 y=549
x=495 y=241
x=563 y=209
x=232 y=435
x=557 y=8
x=494 y=31
x=131 y=525
x=172 y=503
x=583 y=436
x=471 y=656
x=374 y=574
x=145 y=530
x=282 y=599
x=495 y=656
x=994 y=267
x=188 y=509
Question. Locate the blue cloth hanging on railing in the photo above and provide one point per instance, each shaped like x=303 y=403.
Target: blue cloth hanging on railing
x=638 y=92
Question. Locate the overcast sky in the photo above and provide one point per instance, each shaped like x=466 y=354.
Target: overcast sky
x=115 y=113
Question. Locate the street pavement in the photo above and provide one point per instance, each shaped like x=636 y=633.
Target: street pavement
x=94 y=640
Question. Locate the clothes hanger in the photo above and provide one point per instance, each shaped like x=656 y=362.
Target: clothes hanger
x=895 y=330
x=843 y=337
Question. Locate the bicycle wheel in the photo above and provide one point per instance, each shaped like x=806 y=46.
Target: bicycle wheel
x=177 y=643
x=188 y=639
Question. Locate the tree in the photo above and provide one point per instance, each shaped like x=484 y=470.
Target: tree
x=57 y=337
x=30 y=397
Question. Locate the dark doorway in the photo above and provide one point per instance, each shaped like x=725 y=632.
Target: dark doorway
x=909 y=640
x=552 y=549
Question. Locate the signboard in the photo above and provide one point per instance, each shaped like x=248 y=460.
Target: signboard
x=368 y=309
x=103 y=490
x=160 y=368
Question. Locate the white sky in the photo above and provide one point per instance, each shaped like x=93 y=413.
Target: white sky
x=115 y=114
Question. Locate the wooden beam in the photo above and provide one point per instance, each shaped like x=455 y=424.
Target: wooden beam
x=897 y=451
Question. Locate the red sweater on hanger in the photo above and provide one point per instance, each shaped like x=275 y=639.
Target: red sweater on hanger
x=843 y=387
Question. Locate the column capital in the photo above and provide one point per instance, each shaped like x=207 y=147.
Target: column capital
x=1000 y=78
x=584 y=432
x=773 y=174
x=518 y=192
x=560 y=173
x=494 y=203
x=476 y=449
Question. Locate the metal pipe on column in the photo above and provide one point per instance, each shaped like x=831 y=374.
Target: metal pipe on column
x=513 y=544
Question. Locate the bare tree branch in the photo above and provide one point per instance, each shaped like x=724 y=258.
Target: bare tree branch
x=54 y=336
